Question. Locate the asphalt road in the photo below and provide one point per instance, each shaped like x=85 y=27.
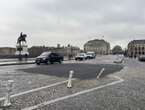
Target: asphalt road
x=82 y=71
x=118 y=88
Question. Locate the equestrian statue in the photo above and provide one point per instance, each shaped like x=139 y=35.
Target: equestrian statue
x=22 y=48
x=22 y=38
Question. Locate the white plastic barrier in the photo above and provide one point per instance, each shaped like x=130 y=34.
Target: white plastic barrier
x=69 y=84
x=9 y=86
x=100 y=73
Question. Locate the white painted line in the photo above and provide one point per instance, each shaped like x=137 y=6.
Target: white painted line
x=73 y=95
x=2 y=72
x=117 y=77
x=102 y=70
x=37 y=89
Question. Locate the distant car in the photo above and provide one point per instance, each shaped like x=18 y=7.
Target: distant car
x=81 y=56
x=141 y=58
x=91 y=55
x=119 y=59
x=49 y=57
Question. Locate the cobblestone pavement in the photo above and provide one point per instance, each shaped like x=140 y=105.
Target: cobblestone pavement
x=24 y=81
x=128 y=95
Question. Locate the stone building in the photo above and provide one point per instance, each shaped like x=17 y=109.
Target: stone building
x=136 y=48
x=99 y=46
x=7 y=51
x=65 y=51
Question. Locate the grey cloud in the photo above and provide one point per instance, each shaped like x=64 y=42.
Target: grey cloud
x=99 y=11
x=74 y=20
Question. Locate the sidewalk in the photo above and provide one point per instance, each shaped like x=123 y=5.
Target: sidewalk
x=16 y=63
x=13 y=59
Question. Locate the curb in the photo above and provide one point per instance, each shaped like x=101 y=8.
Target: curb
x=23 y=63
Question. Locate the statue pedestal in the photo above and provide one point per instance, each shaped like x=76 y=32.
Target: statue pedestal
x=22 y=50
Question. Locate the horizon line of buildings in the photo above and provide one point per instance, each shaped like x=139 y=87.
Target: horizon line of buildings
x=135 y=48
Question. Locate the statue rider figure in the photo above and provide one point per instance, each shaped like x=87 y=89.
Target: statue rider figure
x=21 y=39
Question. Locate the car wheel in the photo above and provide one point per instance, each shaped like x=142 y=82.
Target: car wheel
x=38 y=63
x=51 y=62
x=60 y=61
x=46 y=63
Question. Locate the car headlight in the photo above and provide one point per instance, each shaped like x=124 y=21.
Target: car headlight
x=44 y=58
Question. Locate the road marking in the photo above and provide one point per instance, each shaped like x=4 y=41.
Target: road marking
x=102 y=70
x=75 y=94
x=37 y=89
x=4 y=71
x=117 y=77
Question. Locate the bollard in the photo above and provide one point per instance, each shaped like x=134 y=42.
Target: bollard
x=102 y=70
x=123 y=60
x=9 y=90
x=69 y=84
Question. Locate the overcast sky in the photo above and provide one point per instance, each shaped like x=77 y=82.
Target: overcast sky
x=48 y=22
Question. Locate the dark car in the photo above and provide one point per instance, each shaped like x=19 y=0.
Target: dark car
x=141 y=58
x=49 y=57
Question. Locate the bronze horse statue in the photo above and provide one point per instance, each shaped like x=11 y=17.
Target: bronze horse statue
x=22 y=38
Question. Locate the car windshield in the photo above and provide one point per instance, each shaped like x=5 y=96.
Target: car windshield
x=81 y=54
x=45 y=54
x=89 y=53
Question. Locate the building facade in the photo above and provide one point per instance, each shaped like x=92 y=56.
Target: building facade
x=65 y=51
x=7 y=51
x=136 y=48
x=99 y=46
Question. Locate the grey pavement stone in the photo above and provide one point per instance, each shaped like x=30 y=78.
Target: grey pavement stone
x=51 y=93
x=128 y=95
